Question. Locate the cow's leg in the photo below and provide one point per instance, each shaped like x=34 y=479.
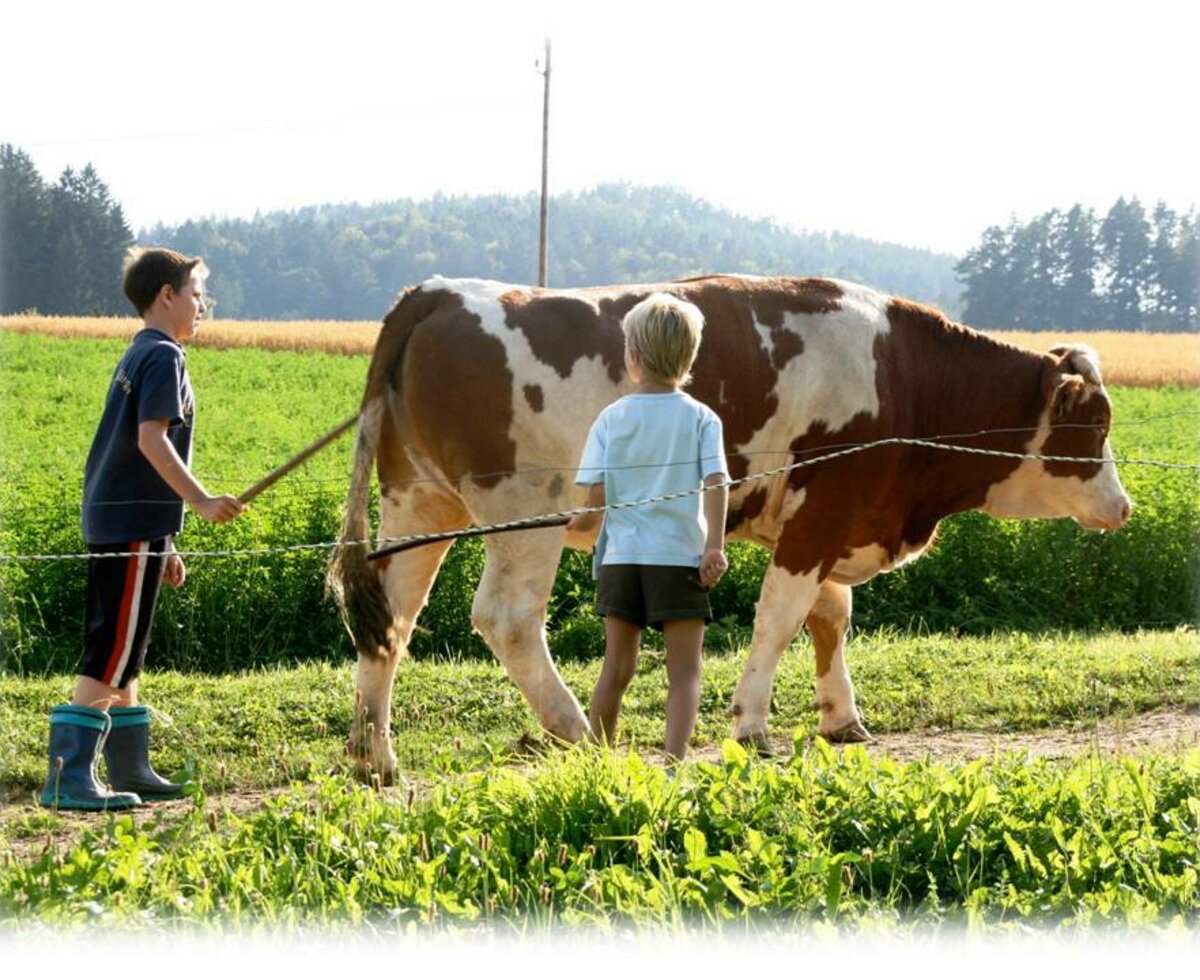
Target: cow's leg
x=407 y=579
x=829 y=622
x=510 y=612
x=783 y=604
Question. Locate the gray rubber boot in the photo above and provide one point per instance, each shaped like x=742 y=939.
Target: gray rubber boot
x=75 y=736
x=127 y=755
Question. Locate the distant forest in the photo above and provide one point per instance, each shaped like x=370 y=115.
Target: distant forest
x=61 y=246
x=1070 y=270
x=350 y=261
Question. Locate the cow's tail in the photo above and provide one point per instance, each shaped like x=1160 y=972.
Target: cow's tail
x=350 y=578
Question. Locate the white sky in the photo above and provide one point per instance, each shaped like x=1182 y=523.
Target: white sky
x=912 y=121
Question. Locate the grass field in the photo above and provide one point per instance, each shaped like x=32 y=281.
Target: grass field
x=998 y=635
x=256 y=408
x=1128 y=359
x=297 y=718
x=480 y=837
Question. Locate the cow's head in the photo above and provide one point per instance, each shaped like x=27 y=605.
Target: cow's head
x=1074 y=422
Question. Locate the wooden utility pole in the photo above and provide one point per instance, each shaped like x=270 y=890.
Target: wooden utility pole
x=542 y=241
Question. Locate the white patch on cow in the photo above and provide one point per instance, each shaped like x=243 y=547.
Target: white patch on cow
x=1097 y=503
x=510 y=605
x=553 y=437
x=782 y=608
x=829 y=384
x=370 y=729
x=835 y=695
x=509 y=611
x=865 y=563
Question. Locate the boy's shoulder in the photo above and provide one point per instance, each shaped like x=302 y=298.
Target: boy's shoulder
x=700 y=408
x=153 y=345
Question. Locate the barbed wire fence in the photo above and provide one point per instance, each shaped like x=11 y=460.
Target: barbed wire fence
x=548 y=519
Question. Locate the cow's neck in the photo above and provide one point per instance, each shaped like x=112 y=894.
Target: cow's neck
x=968 y=383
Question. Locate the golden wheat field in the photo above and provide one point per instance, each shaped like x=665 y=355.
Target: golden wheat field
x=1135 y=359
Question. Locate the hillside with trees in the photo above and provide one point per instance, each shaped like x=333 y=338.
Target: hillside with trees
x=62 y=244
x=349 y=261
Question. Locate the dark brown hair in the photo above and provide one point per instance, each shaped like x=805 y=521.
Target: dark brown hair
x=147 y=270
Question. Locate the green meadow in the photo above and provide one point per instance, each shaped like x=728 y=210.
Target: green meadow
x=1033 y=629
x=257 y=408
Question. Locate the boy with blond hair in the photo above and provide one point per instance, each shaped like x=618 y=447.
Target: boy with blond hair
x=655 y=563
x=135 y=484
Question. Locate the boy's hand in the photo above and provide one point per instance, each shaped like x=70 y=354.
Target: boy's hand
x=583 y=522
x=219 y=510
x=712 y=566
x=175 y=574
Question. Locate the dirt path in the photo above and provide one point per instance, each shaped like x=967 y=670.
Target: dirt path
x=1163 y=729
x=32 y=831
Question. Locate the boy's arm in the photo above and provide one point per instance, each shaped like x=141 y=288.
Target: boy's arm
x=585 y=522
x=713 y=563
x=157 y=448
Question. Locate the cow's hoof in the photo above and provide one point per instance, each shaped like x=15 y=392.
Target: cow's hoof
x=850 y=734
x=365 y=769
x=531 y=745
x=757 y=741
x=368 y=775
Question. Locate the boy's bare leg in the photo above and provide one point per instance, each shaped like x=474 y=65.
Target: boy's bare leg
x=622 y=639
x=92 y=693
x=685 y=646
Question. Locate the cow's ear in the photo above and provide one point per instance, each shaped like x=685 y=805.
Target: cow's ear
x=1079 y=359
x=1066 y=396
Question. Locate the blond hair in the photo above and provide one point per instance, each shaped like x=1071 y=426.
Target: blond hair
x=662 y=333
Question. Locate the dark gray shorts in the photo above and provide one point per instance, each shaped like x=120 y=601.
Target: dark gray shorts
x=650 y=595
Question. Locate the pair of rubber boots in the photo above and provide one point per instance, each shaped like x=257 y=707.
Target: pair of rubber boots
x=76 y=737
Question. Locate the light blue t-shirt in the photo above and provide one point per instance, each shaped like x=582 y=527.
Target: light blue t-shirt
x=645 y=446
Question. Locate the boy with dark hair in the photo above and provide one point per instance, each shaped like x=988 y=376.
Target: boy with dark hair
x=135 y=484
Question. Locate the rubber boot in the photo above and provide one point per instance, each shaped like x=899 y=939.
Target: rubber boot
x=75 y=736
x=127 y=754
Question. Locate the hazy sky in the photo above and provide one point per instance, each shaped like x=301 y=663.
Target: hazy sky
x=916 y=122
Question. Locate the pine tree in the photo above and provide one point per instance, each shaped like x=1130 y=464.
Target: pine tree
x=1077 y=302
x=1125 y=252
x=989 y=281
x=1165 y=279
x=24 y=208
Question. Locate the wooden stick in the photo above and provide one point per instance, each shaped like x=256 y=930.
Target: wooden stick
x=467 y=532
x=278 y=474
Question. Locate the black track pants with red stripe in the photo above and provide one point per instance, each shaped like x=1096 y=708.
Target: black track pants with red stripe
x=122 y=593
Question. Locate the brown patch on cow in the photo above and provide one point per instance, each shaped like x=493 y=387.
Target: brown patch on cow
x=747 y=510
x=739 y=465
x=534 y=396
x=1080 y=420
x=556 y=487
x=733 y=373
x=773 y=299
x=933 y=378
x=564 y=329
x=786 y=346
x=457 y=389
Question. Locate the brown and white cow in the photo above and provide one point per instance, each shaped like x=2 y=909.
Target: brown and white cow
x=479 y=399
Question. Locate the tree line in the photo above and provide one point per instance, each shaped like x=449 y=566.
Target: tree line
x=350 y=261
x=61 y=244
x=62 y=247
x=1070 y=270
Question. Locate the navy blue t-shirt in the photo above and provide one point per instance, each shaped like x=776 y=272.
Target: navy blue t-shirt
x=124 y=499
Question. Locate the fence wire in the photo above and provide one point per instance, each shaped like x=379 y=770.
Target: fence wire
x=476 y=530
